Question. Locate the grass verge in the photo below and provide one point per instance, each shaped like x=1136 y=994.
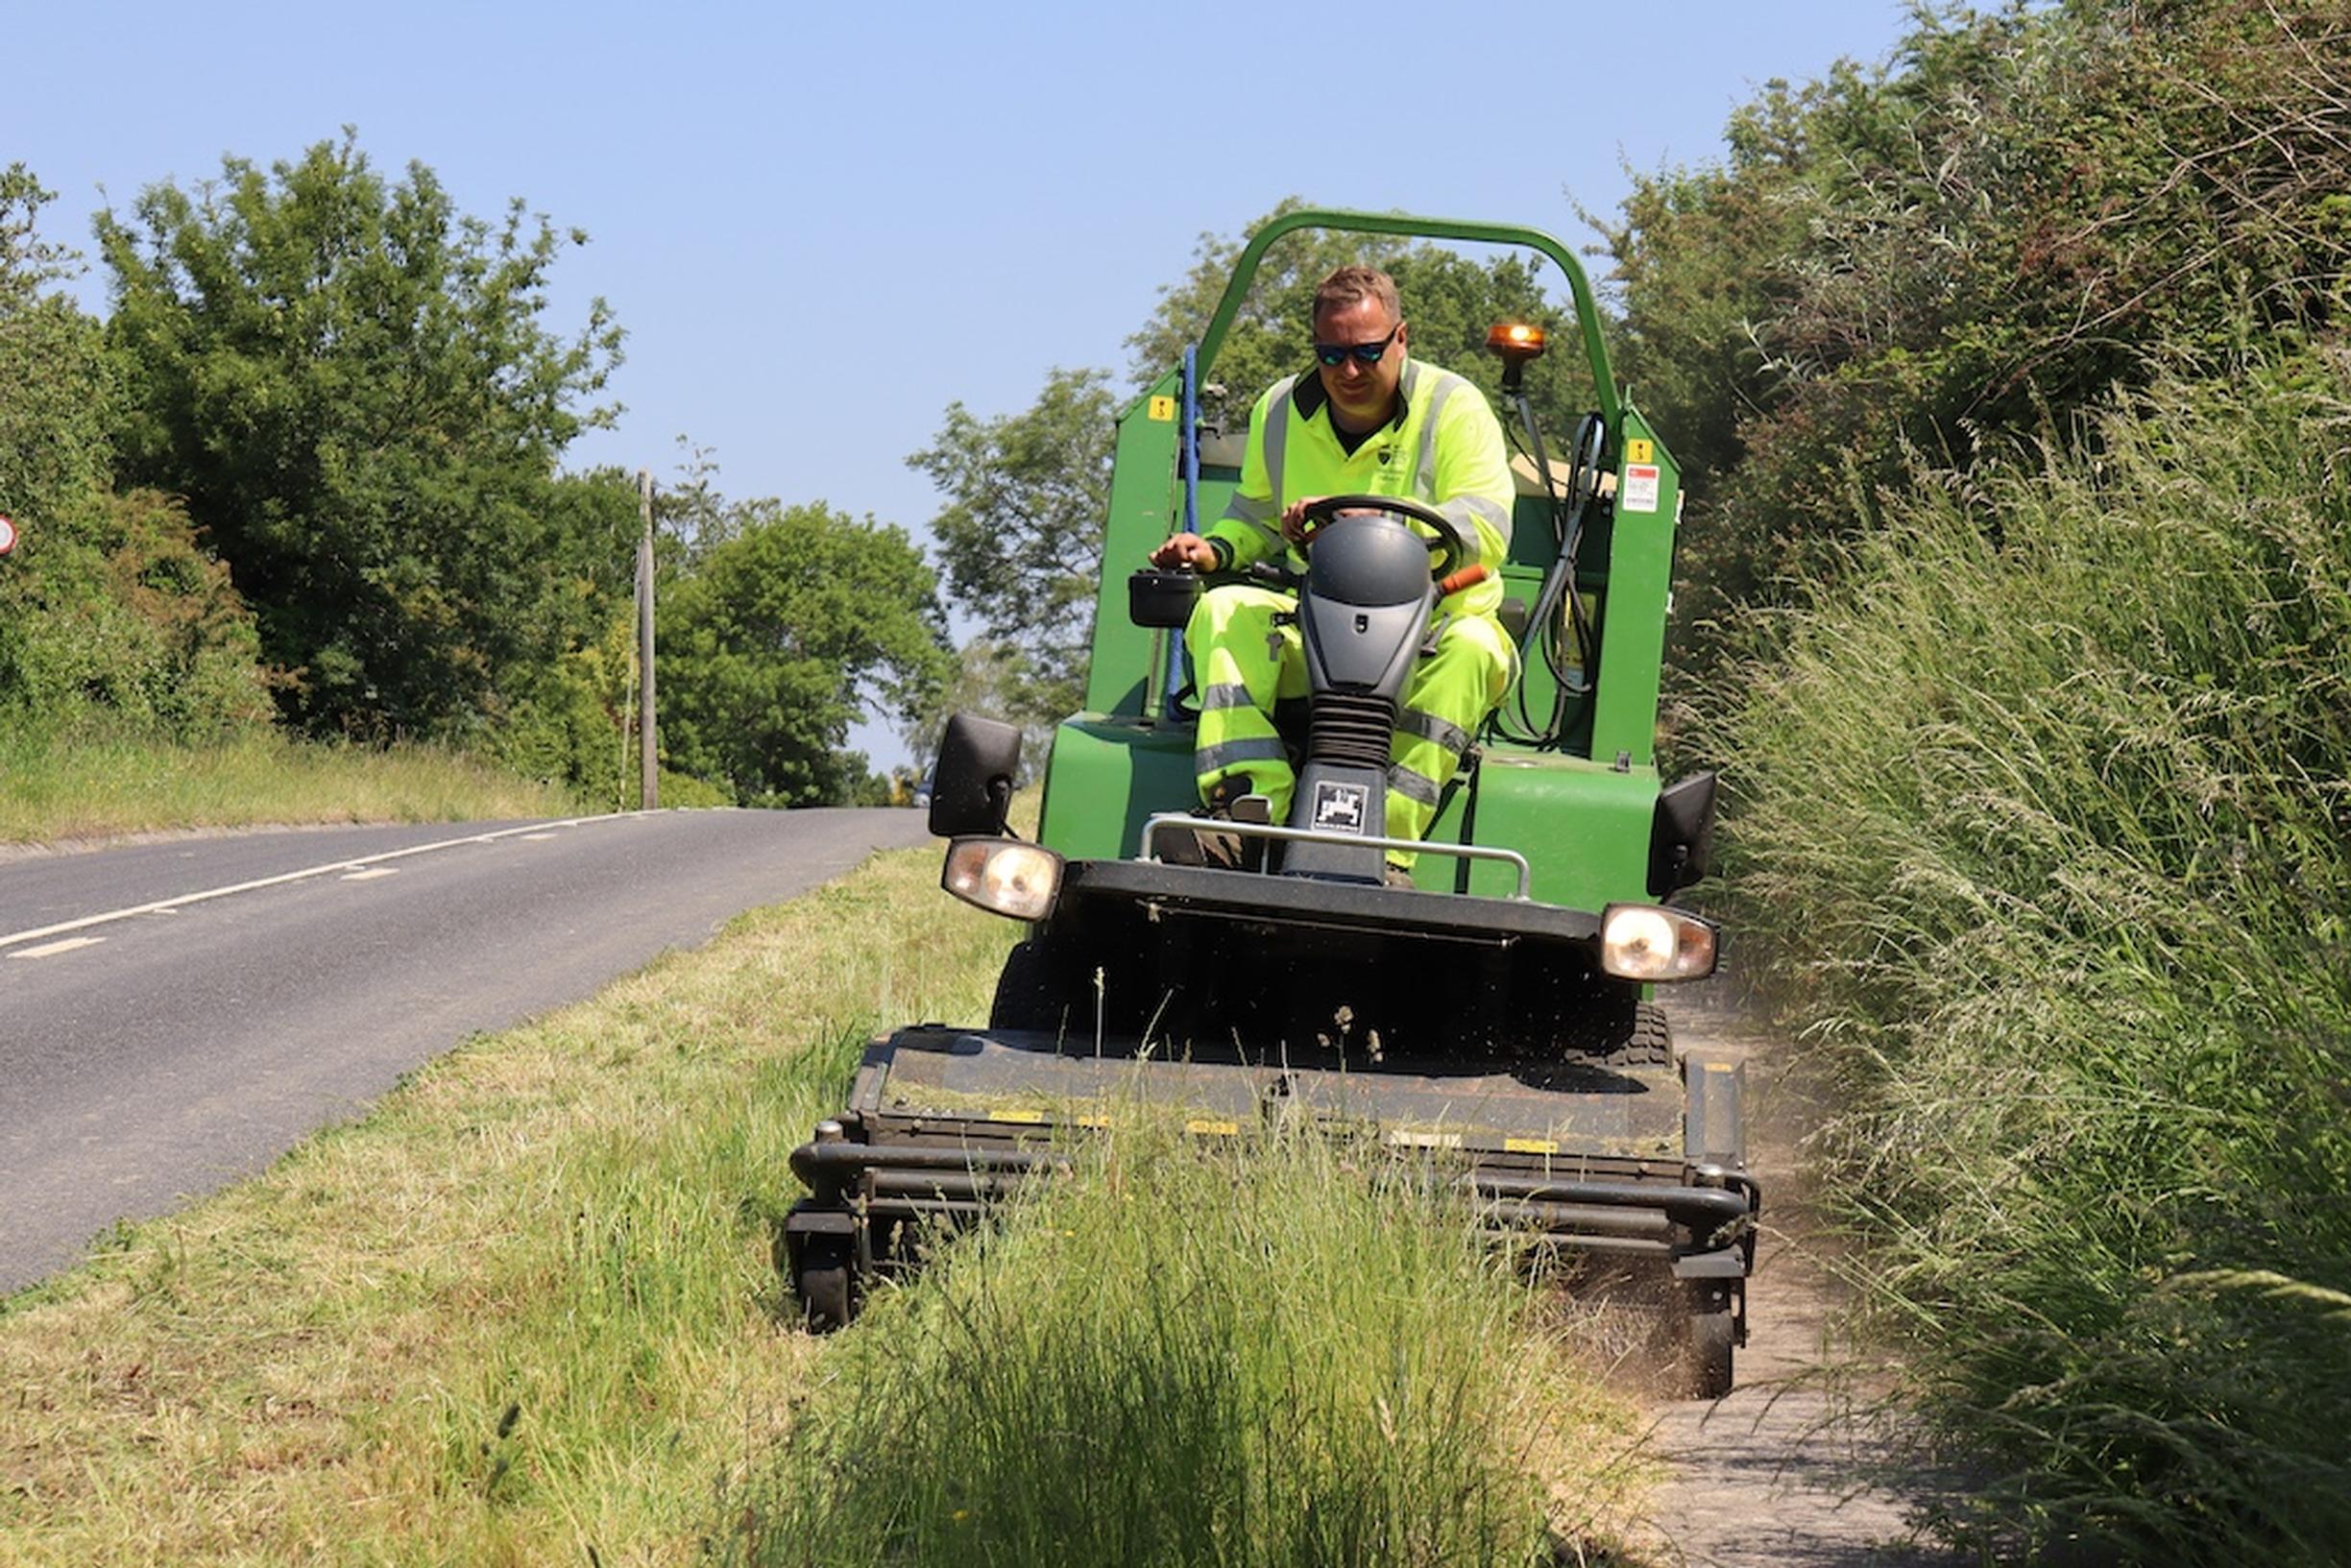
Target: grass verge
x=95 y=785
x=522 y=1313
x=1283 y=1351
x=2041 y=815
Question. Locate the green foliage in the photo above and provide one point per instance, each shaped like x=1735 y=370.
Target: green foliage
x=988 y=680
x=772 y=640
x=2041 y=819
x=2027 y=209
x=110 y=612
x=56 y=390
x=1020 y=535
x=1253 y=1357
x=2039 y=742
x=117 y=614
x=353 y=388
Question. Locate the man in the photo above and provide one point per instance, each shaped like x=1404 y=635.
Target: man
x=1370 y=421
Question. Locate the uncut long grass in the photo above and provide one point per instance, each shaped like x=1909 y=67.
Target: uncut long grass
x=1196 y=1355
x=94 y=783
x=2042 y=814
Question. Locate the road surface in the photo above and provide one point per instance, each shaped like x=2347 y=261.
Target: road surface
x=175 y=1015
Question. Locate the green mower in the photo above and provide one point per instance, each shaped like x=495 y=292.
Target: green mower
x=1496 y=1019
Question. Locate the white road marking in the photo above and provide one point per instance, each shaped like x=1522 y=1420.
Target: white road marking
x=51 y=949
x=536 y=838
x=173 y=905
x=370 y=874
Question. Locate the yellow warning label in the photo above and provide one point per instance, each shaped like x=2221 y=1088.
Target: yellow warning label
x=1162 y=409
x=1220 y=1129
x=1636 y=452
x=1031 y=1116
x=1529 y=1145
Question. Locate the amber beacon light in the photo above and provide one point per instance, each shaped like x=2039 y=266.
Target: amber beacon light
x=1515 y=342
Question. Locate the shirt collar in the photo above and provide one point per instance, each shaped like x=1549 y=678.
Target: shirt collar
x=1307 y=396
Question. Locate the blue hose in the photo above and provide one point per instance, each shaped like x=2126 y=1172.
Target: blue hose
x=1190 y=447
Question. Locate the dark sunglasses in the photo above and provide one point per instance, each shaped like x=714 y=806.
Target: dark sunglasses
x=1367 y=354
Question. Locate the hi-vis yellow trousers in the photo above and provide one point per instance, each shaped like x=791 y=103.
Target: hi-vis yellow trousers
x=1242 y=663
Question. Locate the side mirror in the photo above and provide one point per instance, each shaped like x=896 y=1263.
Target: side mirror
x=978 y=759
x=1682 y=834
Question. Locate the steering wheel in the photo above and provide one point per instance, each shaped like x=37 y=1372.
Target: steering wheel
x=1449 y=547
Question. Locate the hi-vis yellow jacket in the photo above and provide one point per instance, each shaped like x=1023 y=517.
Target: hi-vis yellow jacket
x=1444 y=448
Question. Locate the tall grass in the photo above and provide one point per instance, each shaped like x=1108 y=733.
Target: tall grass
x=96 y=781
x=1199 y=1355
x=2041 y=815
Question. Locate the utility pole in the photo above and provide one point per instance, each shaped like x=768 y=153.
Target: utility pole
x=648 y=768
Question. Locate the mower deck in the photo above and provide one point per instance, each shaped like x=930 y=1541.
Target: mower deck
x=942 y=1122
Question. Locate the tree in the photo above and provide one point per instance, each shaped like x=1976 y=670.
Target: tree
x=987 y=681
x=1021 y=533
x=776 y=639
x=110 y=608
x=2026 y=210
x=57 y=393
x=353 y=388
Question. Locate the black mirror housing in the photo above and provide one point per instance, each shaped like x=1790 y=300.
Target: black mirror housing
x=1162 y=598
x=978 y=759
x=1682 y=834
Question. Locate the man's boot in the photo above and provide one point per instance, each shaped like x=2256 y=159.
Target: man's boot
x=1231 y=800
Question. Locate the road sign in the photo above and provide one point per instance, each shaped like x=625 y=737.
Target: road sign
x=8 y=535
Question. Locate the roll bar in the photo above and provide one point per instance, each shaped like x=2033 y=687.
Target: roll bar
x=1587 y=310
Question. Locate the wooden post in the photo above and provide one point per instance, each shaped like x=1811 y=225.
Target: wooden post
x=648 y=721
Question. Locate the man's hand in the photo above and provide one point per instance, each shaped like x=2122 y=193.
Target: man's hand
x=1294 y=517
x=1185 y=550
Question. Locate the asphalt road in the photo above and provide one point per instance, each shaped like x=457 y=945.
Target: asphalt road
x=165 y=1028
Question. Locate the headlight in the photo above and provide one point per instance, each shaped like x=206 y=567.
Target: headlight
x=1642 y=942
x=1004 y=875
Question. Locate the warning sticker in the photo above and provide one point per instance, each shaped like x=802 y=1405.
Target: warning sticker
x=1339 y=807
x=1641 y=488
x=1162 y=409
x=1640 y=452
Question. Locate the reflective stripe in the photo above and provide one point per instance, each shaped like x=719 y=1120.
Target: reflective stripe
x=1246 y=509
x=1248 y=749
x=1467 y=509
x=1429 y=727
x=1278 y=434
x=1424 y=478
x=1274 y=540
x=1227 y=694
x=1413 y=786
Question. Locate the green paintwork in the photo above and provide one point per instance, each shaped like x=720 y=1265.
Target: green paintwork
x=1109 y=772
x=1582 y=826
x=1145 y=495
x=1580 y=813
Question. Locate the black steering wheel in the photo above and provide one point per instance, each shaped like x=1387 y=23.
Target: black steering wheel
x=1449 y=547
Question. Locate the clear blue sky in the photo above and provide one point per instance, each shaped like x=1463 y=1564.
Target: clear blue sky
x=820 y=226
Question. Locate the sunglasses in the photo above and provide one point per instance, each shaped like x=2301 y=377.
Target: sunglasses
x=1366 y=353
